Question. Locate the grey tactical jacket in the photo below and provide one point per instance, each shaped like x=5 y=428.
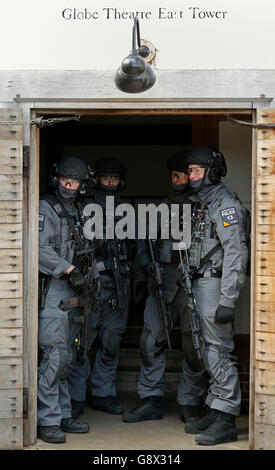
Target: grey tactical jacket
x=56 y=249
x=228 y=219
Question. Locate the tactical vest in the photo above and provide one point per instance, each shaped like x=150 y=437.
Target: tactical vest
x=166 y=253
x=205 y=250
x=125 y=249
x=64 y=243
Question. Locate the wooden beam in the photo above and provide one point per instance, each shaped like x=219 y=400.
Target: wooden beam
x=265 y=317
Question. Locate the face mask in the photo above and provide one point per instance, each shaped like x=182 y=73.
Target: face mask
x=179 y=187
x=108 y=189
x=66 y=193
x=205 y=181
x=196 y=183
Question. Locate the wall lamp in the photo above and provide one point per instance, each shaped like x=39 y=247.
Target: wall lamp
x=135 y=75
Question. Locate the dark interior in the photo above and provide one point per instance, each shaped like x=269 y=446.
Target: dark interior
x=142 y=143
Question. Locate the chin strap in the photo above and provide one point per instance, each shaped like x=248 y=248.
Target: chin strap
x=200 y=187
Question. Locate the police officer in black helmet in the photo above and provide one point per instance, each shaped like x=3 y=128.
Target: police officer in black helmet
x=151 y=383
x=218 y=257
x=109 y=322
x=57 y=278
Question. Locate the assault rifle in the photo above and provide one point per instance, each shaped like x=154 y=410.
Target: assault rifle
x=186 y=282
x=163 y=308
x=120 y=272
x=89 y=290
x=87 y=299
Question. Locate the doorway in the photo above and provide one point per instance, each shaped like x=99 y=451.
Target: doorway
x=143 y=143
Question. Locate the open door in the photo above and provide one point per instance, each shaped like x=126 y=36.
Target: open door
x=11 y=301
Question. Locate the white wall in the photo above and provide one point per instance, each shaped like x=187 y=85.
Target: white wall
x=96 y=34
x=236 y=145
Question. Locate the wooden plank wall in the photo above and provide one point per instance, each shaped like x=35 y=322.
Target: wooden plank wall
x=264 y=335
x=11 y=312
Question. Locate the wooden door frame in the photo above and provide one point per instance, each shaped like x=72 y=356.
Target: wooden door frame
x=30 y=246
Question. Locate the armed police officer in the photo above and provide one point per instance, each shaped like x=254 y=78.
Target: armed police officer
x=58 y=276
x=218 y=259
x=157 y=324
x=112 y=264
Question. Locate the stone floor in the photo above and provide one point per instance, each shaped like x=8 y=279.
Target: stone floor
x=108 y=432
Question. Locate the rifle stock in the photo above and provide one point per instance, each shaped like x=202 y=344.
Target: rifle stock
x=186 y=282
x=163 y=309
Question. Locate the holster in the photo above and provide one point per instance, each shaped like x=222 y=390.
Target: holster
x=72 y=302
x=44 y=285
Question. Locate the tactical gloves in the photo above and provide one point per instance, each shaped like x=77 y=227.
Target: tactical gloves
x=225 y=314
x=76 y=278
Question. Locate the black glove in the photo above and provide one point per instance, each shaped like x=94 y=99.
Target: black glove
x=225 y=314
x=76 y=278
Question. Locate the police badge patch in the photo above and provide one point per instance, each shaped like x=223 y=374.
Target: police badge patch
x=41 y=221
x=229 y=217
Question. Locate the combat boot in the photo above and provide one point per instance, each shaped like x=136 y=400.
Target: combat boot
x=222 y=430
x=149 y=409
x=188 y=412
x=72 y=426
x=107 y=404
x=77 y=408
x=190 y=415
x=196 y=425
x=52 y=434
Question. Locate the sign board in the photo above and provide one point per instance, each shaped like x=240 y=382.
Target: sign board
x=97 y=34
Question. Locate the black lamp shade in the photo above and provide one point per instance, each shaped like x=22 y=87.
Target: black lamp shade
x=134 y=75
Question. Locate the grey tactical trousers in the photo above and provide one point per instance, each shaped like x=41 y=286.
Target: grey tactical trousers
x=194 y=379
x=58 y=357
x=109 y=325
x=218 y=344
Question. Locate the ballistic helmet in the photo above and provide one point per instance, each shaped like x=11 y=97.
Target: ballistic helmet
x=177 y=162
x=209 y=157
x=109 y=166
x=73 y=168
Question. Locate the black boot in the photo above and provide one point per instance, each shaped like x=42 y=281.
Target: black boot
x=189 y=412
x=72 y=426
x=77 y=408
x=52 y=434
x=196 y=425
x=149 y=408
x=190 y=415
x=222 y=430
x=107 y=404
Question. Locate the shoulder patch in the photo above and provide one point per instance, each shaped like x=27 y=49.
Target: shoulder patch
x=41 y=221
x=229 y=217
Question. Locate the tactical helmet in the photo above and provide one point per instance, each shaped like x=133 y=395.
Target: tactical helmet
x=209 y=157
x=71 y=167
x=109 y=166
x=177 y=162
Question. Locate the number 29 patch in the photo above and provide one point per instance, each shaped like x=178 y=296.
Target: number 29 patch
x=229 y=217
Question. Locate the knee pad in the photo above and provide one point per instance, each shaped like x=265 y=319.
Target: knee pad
x=145 y=349
x=70 y=364
x=111 y=343
x=54 y=364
